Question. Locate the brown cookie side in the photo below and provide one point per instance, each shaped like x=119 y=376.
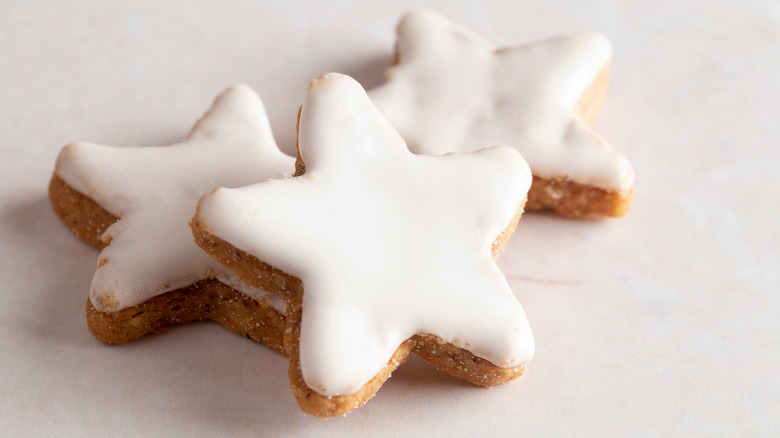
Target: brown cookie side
x=206 y=299
x=590 y=102
x=85 y=218
x=463 y=364
x=575 y=200
x=250 y=269
x=500 y=243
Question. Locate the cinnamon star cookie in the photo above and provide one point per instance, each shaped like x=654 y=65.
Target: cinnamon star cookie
x=380 y=253
x=453 y=91
x=135 y=203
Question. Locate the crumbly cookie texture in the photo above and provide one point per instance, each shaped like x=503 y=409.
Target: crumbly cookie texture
x=452 y=91
x=134 y=204
x=379 y=252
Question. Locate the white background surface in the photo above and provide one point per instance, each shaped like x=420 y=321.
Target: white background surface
x=661 y=323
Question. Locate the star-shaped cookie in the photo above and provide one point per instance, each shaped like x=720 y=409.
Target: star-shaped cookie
x=380 y=252
x=135 y=204
x=452 y=91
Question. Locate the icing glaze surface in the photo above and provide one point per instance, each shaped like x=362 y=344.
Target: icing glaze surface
x=154 y=191
x=452 y=91
x=388 y=244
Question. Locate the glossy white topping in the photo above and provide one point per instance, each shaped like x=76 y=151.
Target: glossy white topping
x=452 y=91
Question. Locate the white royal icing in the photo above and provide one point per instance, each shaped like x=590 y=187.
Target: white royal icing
x=452 y=91
x=154 y=191
x=388 y=244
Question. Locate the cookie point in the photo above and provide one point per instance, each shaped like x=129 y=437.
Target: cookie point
x=329 y=83
x=240 y=89
x=329 y=77
x=66 y=154
x=596 y=40
x=322 y=77
x=74 y=147
x=421 y=14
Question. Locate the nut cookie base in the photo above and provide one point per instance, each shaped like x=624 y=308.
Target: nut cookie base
x=205 y=299
x=85 y=218
x=447 y=357
x=571 y=199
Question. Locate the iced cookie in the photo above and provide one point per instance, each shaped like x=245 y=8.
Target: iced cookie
x=135 y=203
x=379 y=251
x=452 y=91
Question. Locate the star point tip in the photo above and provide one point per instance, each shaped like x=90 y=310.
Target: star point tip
x=239 y=104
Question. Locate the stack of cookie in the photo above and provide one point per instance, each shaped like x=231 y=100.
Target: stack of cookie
x=379 y=238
